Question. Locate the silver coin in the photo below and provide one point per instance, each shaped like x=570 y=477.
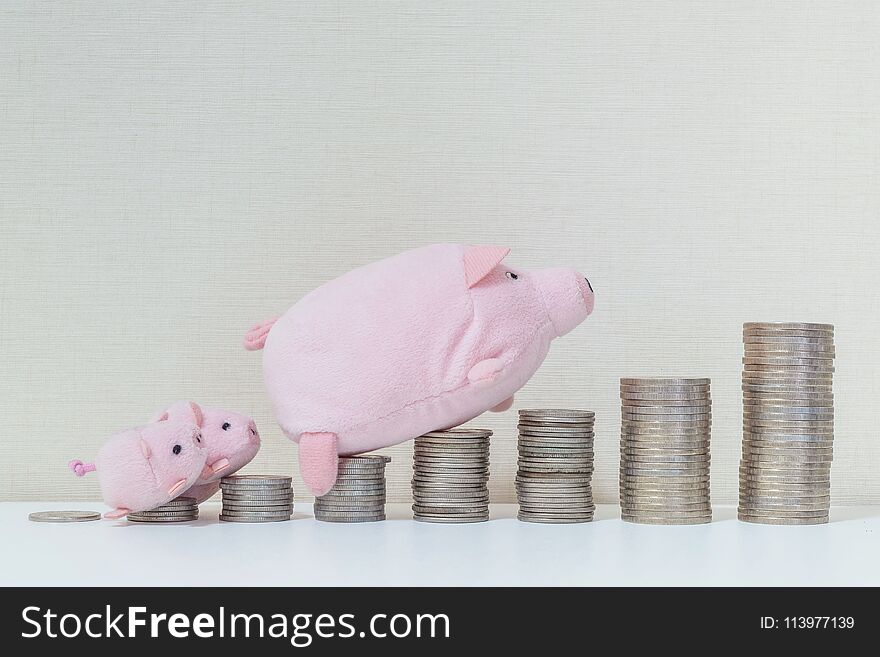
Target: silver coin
x=457 y=444
x=649 y=449
x=648 y=485
x=772 y=513
x=769 y=433
x=798 y=341
x=450 y=445
x=164 y=514
x=258 y=499
x=64 y=516
x=770 y=488
x=172 y=509
x=788 y=412
x=552 y=498
x=452 y=513
x=645 y=454
x=279 y=504
x=358 y=490
x=256 y=513
x=791 y=447
x=459 y=433
x=665 y=442
x=353 y=519
x=782 y=521
x=665 y=498
x=422 y=501
x=256 y=480
x=668 y=396
x=666 y=423
x=360 y=481
x=259 y=502
x=449 y=466
x=662 y=520
x=523 y=517
x=686 y=419
x=665 y=381
x=796 y=326
x=162 y=520
x=668 y=406
x=667 y=513
x=323 y=514
x=563 y=413
x=565 y=489
x=365 y=459
x=467 y=452
x=252 y=520
x=560 y=514
x=448 y=520
x=553 y=434
x=376 y=508
x=784 y=499
x=668 y=510
x=330 y=497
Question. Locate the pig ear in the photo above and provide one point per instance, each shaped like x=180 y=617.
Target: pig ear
x=186 y=411
x=480 y=260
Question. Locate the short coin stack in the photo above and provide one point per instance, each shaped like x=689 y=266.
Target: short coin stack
x=553 y=482
x=359 y=492
x=180 y=509
x=451 y=476
x=256 y=498
x=788 y=423
x=664 y=451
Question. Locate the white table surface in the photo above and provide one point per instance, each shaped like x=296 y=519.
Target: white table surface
x=399 y=551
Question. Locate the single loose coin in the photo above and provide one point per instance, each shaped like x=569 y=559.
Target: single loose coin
x=64 y=516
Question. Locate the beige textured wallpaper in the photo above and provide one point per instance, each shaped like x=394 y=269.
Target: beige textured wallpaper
x=172 y=171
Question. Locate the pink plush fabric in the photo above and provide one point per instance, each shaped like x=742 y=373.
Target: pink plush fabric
x=424 y=340
x=147 y=466
x=231 y=440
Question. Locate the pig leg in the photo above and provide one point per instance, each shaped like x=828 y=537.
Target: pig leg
x=503 y=406
x=318 y=461
x=485 y=372
x=117 y=513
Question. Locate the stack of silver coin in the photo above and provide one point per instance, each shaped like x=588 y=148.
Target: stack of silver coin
x=451 y=476
x=256 y=498
x=788 y=423
x=664 y=451
x=553 y=481
x=359 y=492
x=181 y=509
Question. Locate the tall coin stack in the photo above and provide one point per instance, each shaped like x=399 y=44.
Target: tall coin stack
x=788 y=423
x=553 y=482
x=256 y=498
x=359 y=492
x=180 y=509
x=451 y=476
x=664 y=451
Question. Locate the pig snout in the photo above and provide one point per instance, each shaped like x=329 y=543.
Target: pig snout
x=568 y=297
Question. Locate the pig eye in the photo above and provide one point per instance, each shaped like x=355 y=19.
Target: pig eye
x=226 y=426
x=511 y=275
x=176 y=449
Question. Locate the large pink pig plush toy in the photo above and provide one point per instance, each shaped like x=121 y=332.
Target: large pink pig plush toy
x=145 y=467
x=421 y=341
x=231 y=441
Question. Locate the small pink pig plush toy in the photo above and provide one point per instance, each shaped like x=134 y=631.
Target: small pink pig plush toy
x=421 y=341
x=144 y=467
x=231 y=441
